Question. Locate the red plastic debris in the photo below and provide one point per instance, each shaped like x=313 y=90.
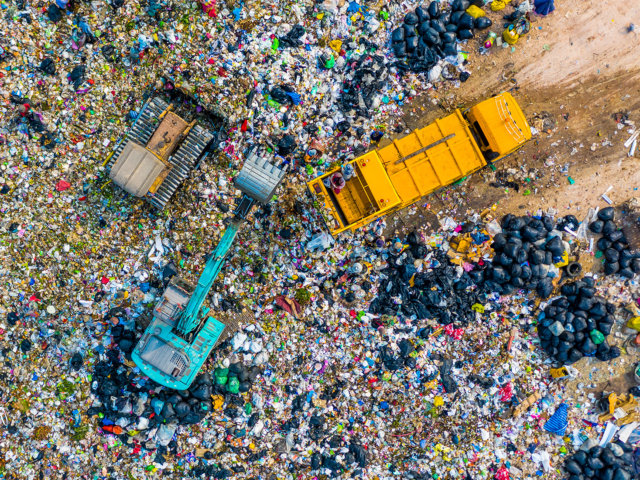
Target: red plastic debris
x=62 y=185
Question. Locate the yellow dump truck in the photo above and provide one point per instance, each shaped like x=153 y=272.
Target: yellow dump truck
x=382 y=181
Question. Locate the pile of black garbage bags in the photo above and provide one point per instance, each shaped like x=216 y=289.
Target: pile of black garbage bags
x=618 y=257
x=611 y=462
x=440 y=292
x=524 y=253
x=576 y=324
x=430 y=33
x=366 y=76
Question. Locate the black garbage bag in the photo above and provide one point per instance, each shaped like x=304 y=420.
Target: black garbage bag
x=465 y=22
x=465 y=34
x=279 y=95
x=580 y=457
x=431 y=37
x=544 y=288
x=168 y=411
x=573 y=467
x=110 y=53
x=614 y=352
x=454 y=19
x=434 y=9
x=202 y=392
x=615 y=236
x=411 y=44
x=182 y=409
x=12 y=318
x=596 y=226
x=608 y=228
x=588 y=347
x=332 y=464
x=316 y=461
x=400 y=50
x=595 y=463
x=405 y=347
x=25 y=345
x=611 y=255
x=530 y=233
x=48 y=66
x=606 y=214
x=292 y=38
x=76 y=77
x=555 y=246
x=411 y=18
x=611 y=267
x=286 y=145
x=54 y=13
x=422 y=14
x=397 y=35
x=438 y=26
x=359 y=453
x=537 y=257
x=482 y=22
x=448 y=37
x=76 y=361
x=449 y=384
x=500 y=242
x=603 y=244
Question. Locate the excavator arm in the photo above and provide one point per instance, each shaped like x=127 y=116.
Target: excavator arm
x=191 y=316
x=178 y=340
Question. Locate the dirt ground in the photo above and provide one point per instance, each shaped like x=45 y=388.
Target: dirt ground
x=575 y=75
x=573 y=101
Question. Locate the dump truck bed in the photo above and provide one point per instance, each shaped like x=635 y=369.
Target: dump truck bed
x=400 y=173
x=431 y=157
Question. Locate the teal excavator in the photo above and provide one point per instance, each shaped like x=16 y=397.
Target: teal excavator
x=181 y=335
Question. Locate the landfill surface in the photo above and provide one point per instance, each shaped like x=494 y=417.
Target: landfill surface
x=412 y=348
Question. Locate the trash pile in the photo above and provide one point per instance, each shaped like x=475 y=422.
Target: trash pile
x=128 y=402
x=577 y=324
x=526 y=252
x=618 y=257
x=614 y=461
x=432 y=33
x=419 y=283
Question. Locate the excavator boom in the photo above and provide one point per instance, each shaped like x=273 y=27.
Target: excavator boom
x=190 y=318
x=177 y=342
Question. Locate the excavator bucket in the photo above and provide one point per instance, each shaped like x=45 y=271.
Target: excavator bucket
x=259 y=178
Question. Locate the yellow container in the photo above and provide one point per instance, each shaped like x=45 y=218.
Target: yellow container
x=475 y=12
x=510 y=36
x=634 y=323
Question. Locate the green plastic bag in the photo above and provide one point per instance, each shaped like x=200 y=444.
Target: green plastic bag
x=234 y=385
x=330 y=63
x=222 y=375
x=597 y=336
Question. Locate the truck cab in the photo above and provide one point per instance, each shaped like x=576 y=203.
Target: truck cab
x=498 y=126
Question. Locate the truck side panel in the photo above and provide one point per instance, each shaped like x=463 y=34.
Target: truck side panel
x=431 y=157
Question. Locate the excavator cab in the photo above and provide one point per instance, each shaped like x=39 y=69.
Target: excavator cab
x=177 y=342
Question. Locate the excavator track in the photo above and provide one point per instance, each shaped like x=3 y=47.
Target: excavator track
x=143 y=127
x=183 y=162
